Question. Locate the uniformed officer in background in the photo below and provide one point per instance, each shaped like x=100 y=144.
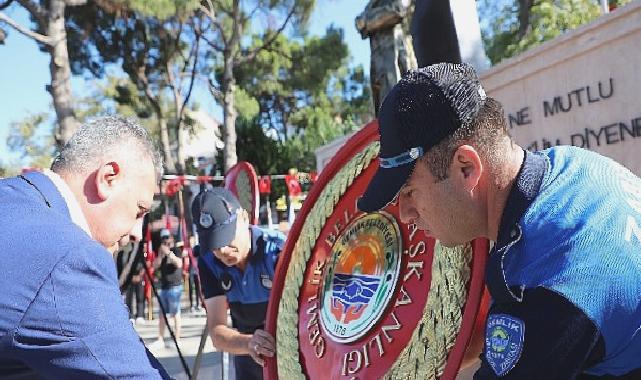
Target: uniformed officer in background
x=236 y=267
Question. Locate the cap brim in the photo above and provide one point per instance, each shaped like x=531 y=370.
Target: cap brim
x=215 y=238
x=383 y=187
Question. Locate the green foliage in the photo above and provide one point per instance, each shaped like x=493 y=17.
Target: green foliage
x=163 y=9
x=305 y=99
x=505 y=36
x=4 y=172
x=299 y=90
x=241 y=33
x=246 y=105
x=9 y=169
x=156 y=44
x=147 y=38
x=32 y=138
x=256 y=147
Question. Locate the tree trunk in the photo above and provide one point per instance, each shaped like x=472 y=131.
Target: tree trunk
x=178 y=103
x=170 y=165
x=60 y=87
x=525 y=6
x=180 y=155
x=229 y=116
x=229 y=89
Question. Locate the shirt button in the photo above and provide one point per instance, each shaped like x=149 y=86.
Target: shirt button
x=244 y=282
x=513 y=233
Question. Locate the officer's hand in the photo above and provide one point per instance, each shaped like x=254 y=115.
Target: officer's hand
x=261 y=344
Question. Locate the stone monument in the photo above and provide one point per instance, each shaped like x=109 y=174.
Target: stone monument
x=392 y=53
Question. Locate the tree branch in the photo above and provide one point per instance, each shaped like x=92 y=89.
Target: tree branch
x=39 y=13
x=213 y=45
x=74 y=3
x=215 y=91
x=29 y=33
x=252 y=13
x=212 y=17
x=5 y=4
x=209 y=10
x=174 y=89
x=138 y=69
x=251 y=55
x=233 y=45
x=193 y=78
x=525 y=8
x=142 y=76
x=219 y=5
x=279 y=52
x=177 y=39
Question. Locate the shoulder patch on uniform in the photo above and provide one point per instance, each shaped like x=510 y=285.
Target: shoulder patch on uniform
x=504 y=338
x=226 y=281
x=266 y=281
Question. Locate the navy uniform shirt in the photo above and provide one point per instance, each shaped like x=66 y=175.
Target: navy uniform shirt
x=61 y=312
x=247 y=291
x=565 y=273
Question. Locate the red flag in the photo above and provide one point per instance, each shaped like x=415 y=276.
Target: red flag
x=149 y=261
x=293 y=186
x=265 y=184
x=173 y=186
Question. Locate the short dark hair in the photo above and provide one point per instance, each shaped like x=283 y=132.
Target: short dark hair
x=485 y=133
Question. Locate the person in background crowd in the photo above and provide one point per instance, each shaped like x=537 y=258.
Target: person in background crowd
x=194 y=282
x=565 y=270
x=169 y=264
x=61 y=312
x=131 y=273
x=236 y=266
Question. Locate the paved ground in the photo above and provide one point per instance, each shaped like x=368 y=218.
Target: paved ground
x=192 y=326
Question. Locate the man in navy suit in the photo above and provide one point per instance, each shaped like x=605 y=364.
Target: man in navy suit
x=62 y=314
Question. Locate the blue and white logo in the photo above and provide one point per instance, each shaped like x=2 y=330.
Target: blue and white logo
x=504 y=337
x=206 y=220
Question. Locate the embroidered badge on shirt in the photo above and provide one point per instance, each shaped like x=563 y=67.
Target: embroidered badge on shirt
x=504 y=338
x=266 y=281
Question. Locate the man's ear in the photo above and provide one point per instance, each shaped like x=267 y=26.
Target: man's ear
x=467 y=167
x=106 y=177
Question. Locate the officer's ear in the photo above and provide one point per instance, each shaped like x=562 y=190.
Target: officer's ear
x=466 y=168
x=108 y=175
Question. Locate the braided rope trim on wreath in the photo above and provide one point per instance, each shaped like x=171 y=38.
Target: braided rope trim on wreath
x=425 y=355
x=288 y=360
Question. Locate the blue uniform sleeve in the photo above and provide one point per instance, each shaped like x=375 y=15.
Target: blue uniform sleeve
x=277 y=242
x=208 y=281
x=543 y=337
x=77 y=327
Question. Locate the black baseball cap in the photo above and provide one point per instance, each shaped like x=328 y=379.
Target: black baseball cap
x=423 y=108
x=215 y=212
